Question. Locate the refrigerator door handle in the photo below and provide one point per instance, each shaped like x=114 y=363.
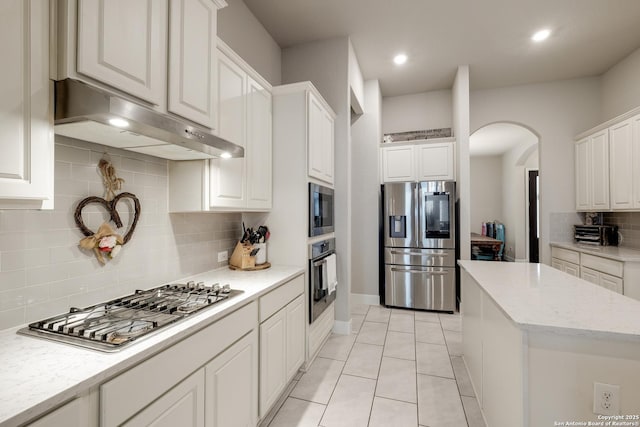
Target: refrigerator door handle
x=419 y=253
x=417 y=195
x=434 y=273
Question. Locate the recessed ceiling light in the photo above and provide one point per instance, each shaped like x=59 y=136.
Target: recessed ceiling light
x=541 y=35
x=225 y=155
x=121 y=123
x=400 y=59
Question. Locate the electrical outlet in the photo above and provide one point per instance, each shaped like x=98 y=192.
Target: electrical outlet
x=606 y=399
x=223 y=256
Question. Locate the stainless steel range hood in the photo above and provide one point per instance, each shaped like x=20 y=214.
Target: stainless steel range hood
x=90 y=114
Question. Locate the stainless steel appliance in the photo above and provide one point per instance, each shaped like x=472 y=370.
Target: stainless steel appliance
x=90 y=114
x=111 y=325
x=602 y=235
x=419 y=245
x=321 y=210
x=320 y=293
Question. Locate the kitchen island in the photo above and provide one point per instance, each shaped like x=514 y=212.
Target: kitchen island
x=536 y=339
x=38 y=375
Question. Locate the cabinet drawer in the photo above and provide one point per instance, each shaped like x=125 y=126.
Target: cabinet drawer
x=128 y=393
x=604 y=265
x=278 y=298
x=611 y=282
x=565 y=255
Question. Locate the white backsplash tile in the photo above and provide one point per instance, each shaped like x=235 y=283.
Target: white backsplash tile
x=42 y=270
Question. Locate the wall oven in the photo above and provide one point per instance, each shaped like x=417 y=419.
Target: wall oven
x=321 y=210
x=322 y=277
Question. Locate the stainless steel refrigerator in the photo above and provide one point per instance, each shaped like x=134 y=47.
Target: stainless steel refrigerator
x=419 y=245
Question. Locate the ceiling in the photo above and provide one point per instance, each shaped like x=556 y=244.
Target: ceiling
x=491 y=36
x=498 y=138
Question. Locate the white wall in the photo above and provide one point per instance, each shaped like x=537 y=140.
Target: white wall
x=427 y=110
x=486 y=190
x=326 y=64
x=621 y=87
x=514 y=202
x=461 y=122
x=556 y=112
x=355 y=77
x=43 y=272
x=242 y=31
x=365 y=138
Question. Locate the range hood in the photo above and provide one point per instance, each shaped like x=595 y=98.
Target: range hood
x=90 y=114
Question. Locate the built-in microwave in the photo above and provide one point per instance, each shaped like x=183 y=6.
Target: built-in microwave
x=321 y=210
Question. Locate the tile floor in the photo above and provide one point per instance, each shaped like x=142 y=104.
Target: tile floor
x=398 y=368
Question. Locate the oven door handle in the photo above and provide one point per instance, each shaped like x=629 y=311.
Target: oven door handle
x=319 y=263
x=433 y=273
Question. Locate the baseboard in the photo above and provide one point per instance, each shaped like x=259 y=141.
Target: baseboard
x=521 y=260
x=365 y=299
x=342 y=328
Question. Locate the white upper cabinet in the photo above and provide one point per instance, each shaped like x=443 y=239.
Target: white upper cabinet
x=636 y=161
x=583 y=175
x=244 y=117
x=398 y=164
x=424 y=161
x=26 y=151
x=435 y=161
x=259 y=146
x=232 y=90
x=162 y=52
x=600 y=170
x=123 y=43
x=621 y=164
x=320 y=140
x=192 y=60
x=592 y=172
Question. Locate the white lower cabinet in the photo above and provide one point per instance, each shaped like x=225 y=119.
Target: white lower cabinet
x=232 y=385
x=598 y=270
x=602 y=279
x=80 y=412
x=182 y=406
x=273 y=363
x=282 y=340
x=147 y=394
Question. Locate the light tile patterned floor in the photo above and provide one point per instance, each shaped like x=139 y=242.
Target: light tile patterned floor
x=399 y=368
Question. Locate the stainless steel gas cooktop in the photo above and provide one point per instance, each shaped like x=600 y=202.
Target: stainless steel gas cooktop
x=111 y=325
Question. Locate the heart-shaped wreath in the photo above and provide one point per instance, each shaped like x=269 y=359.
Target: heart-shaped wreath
x=105 y=241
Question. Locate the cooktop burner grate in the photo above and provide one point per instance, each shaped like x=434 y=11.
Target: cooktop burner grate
x=111 y=325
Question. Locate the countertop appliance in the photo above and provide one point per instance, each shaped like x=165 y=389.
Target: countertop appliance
x=111 y=325
x=601 y=235
x=419 y=245
x=322 y=277
x=321 y=210
x=91 y=114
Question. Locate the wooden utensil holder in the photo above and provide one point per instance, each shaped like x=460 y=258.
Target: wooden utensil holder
x=241 y=258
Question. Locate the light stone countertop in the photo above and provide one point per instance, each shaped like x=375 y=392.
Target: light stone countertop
x=540 y=298
x=612 y=252
x=37 y=375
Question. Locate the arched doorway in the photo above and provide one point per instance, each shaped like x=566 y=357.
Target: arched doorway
x=504 y=164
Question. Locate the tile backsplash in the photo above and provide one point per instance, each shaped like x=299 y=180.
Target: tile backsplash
x=561 y=225
x=43 y=271
x=628 y=226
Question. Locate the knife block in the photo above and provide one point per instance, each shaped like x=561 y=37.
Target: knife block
x=240 y=257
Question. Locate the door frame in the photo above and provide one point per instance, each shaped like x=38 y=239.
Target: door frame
x=526 y=209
